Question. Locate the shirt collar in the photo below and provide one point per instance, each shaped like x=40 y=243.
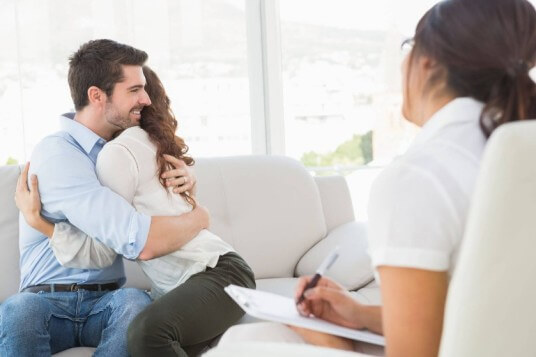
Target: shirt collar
x=86 y=138
x=458 y=110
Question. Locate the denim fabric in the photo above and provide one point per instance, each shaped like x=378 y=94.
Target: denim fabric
x=41 y=324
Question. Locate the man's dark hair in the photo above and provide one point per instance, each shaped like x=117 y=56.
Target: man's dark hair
x=98 y=63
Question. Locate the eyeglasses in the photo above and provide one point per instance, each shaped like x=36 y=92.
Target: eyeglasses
x=407 y=45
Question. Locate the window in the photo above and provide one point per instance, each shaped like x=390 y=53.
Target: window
x=341 y=84
x=203 y=67
x=337 y=108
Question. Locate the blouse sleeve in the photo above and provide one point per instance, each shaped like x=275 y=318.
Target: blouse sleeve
x=412 y=222
x=118 y=170
x=75 y=249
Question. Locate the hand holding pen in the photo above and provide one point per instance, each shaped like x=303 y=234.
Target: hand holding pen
x=330 y=301
x=326 y=264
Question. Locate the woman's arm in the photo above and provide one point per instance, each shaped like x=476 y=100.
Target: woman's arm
x=413 y=306
x=29 y=203
x=75 y=249
x=330 y=301
x=72 y=247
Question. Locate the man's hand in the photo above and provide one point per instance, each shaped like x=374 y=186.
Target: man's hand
x=182 y=177
x=323 y=339
x=331 y=302
x=169 y=233
x=203 y=215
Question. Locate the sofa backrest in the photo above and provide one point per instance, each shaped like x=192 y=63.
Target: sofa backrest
x=268 y=208
x=9 y=232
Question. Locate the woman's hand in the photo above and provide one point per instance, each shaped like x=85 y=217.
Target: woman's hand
x=182 y=177
x=331 y=302
x=28 y=202
x=323 y=339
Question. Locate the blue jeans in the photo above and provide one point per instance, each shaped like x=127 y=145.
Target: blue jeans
x=41 y=324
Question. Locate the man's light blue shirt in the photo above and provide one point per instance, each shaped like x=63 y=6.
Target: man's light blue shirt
x=70 y=191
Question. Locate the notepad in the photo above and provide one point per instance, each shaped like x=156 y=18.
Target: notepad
x=273 y=307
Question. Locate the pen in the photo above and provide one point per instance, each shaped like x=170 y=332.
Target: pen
x=326 y=264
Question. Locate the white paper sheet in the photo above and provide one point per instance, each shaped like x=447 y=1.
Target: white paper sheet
x=273 y=307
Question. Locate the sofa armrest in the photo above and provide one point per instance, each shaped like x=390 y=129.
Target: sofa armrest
x=353 y=269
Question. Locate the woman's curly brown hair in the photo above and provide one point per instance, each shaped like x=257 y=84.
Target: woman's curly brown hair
x=159 y=122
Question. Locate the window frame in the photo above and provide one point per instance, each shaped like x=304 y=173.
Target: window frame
x=263 y=33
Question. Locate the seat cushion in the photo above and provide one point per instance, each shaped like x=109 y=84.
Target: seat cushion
x=76 y=352
x=270 y=349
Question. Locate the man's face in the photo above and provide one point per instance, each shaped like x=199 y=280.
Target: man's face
x=123 y=107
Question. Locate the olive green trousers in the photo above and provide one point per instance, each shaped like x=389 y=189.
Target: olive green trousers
x=184 y=321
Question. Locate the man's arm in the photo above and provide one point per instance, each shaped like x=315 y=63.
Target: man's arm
x=167 y=234
x=72 y=247
x=70 y=190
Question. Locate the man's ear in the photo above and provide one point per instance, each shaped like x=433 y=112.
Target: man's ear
x=96 y=95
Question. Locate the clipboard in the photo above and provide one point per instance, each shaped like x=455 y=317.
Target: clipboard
x=273 y=307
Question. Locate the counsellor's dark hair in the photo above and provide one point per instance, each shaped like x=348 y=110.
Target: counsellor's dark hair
x=159 y=122
x=487 y=48
x=98 y=63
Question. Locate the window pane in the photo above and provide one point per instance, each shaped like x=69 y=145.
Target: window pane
x=198 y=48
x=341 y=78
x=11 y=128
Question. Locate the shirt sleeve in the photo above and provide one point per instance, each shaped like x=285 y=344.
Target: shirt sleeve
x=412 y=223
x=118 y=170
x=75 y=249
x=70 y=189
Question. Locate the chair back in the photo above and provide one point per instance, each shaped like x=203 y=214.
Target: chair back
x=491 y=303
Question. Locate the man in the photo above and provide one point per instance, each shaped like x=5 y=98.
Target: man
x=59 y=308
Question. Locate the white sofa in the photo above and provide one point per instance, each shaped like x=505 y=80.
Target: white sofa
x=270 y=209
x=490 y=308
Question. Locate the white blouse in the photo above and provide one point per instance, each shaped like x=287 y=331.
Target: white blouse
x=419 y=204
x=127 y=165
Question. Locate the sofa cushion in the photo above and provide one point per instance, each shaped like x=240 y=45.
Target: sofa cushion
x=76 y=352
x=279 y=349
x=265 y=207
x=336 y=200
x=353 y=268
x=9 y=232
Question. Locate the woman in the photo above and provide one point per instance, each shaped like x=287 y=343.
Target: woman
x=190 y=307
x=466 y=74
